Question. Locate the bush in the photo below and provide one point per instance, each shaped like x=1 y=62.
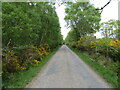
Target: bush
x=106 y=47
x=22 y=59
x=11 y=63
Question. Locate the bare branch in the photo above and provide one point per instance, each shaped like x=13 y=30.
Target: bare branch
x=101 y=11
x=104 y=5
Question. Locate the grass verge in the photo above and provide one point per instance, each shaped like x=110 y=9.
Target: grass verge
x=107 y=74
x=22 y=78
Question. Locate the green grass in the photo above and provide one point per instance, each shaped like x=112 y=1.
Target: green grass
x=107 y=74
x=22 y=78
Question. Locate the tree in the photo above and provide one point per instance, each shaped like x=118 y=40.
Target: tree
x=82 y=18
x=71 y=37
x=25 y=24
x=110 y=29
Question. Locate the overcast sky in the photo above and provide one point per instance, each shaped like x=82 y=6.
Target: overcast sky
x=109 y=12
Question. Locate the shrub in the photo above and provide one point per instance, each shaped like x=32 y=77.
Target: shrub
x=107 y=47
x=11 y=63
x=22 y=59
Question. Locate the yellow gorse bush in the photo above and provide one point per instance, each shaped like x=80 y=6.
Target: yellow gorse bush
x=42 y=50
x=108 y=43
x=115 y=43
x=36 y=62
x=107 y=47
x=92 y=44
x=23 y=68
x=13 y=63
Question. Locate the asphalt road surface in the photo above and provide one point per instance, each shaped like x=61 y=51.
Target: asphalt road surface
x=66 y=70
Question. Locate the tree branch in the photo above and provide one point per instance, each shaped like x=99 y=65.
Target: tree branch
x=104 y=5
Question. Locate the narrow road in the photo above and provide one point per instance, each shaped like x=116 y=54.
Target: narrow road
x=67 y=70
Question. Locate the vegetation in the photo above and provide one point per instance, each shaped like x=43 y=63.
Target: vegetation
x=30 y=32
x=30 y=24
x=106 y=73
x=107 y=47
x=80 y=21
x=105 y=52
x=22 y=78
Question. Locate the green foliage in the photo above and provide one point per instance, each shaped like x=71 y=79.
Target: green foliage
x=25 y=24
x=22 y=78
x=106 y=47
x=83 y=18
x=110 y=29
x=22 y=61
x=84 y=21
x=108 y=72
x=29 y=33
x=71 y=37
x=104 y=52
x=10 y=62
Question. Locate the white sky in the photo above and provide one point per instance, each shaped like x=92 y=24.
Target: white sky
x=109 y=12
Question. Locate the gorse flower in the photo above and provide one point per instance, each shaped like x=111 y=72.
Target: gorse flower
x=23 y=68
x=92 y=44
x=13 y=63
x=111 y=44
x=36 y=62
x=103 y=46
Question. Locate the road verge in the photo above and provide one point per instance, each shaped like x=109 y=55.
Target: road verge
x=22 y=78
x=107 y=74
